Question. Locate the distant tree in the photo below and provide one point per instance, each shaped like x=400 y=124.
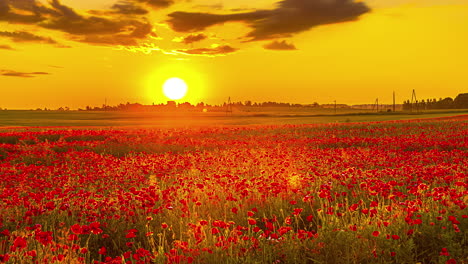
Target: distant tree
x=461 y=101
x=406 y=105
x=446 y=103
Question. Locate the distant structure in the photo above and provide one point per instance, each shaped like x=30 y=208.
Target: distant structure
x=229 y=106
x=376 y=105
x=171 y=104
x=394 y=105
x=414 y=101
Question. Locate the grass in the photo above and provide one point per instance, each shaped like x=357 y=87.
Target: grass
x=268 y=116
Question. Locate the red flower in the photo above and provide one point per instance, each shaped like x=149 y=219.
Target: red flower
x=297 y=211
x=44 y=237
x=20 y=243
x=395 y=237
x=102 y=251
x=76 y=229
x=444 y=252
x=376 y=233
x=95 y=228
x=252 y=221
x=130 y=234
x=4 y=258
x=214 y=231
x=353 y=207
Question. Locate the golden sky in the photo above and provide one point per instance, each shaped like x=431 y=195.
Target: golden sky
x=82 y=52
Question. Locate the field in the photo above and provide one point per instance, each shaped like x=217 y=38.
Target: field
x=245 y=116
x=341 y=192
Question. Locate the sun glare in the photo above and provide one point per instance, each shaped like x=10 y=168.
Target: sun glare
x=175 y=88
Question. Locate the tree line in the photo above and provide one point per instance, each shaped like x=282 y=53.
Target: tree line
x=460 y=102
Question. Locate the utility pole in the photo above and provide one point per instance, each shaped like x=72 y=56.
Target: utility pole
x=414 y=101
x=229 y=106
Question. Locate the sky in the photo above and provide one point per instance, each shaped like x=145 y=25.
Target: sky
x=74 y=53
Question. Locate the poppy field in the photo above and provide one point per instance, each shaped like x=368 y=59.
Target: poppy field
x=381 y=192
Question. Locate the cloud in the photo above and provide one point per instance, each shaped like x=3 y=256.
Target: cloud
x=129 y=8
x=290 y=17
x=6 y=47
x=193 y=38
x=23 y=36
x=11 y=73
x=279 y=45
x=214 y=51
x=157 y=4
x=10 y=15
x=99 y=30
x=122 y=7
x=121 y=26
x=218 y=6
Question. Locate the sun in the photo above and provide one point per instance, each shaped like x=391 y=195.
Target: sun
x=175 y=88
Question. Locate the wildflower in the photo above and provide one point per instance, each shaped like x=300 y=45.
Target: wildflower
x=76 y=229
x=102 y=251
x=20 y=243
x=214 y=230
x=444 y=252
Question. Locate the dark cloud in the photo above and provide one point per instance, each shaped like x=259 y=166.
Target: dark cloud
x=129 y=8
x=11 y=16
x=23 y=36
x=193 y=38
x=6 y=47
x=218 y=6
x=280 y=45
x=11 y=73
x=190 y=22
x=111 y=40
x=120 y=26
x=157 y=3
x=122 y=7
x=290 y=17
x=99 y=30
x=65 y=10
x=220 y=50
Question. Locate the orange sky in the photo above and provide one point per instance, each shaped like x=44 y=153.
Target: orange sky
x=80 y=52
